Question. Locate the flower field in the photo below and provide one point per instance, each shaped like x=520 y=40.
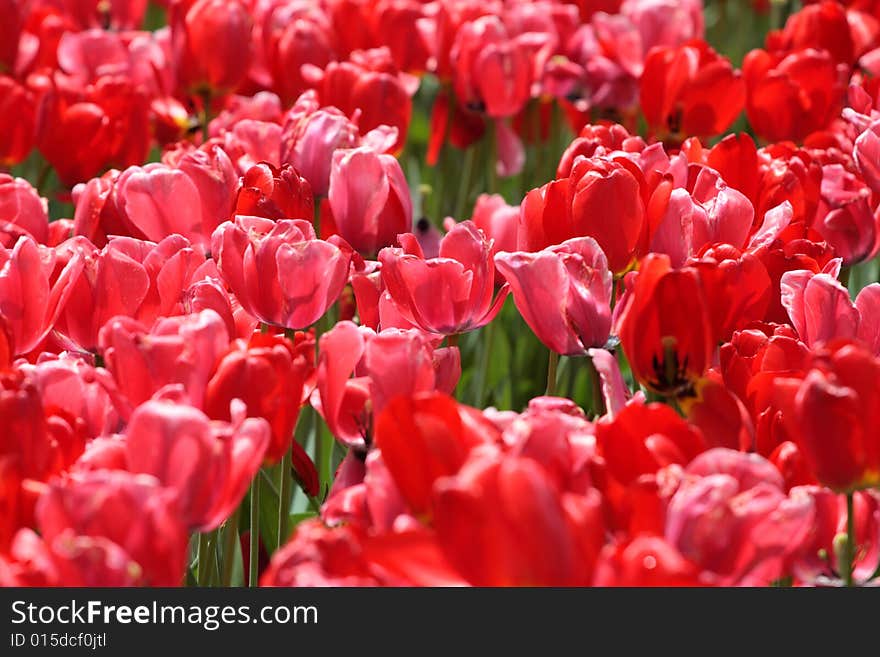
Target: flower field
x=452 y=293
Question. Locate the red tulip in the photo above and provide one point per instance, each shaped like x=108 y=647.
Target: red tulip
x=832 y=414
x=492 y=71
x=10 y=33
x=133 y=512
x=503 y=522
x=690 y=90
x=273 y=193
x=563 y=293
x=33 y=292
x=369 y=199
x=83 y=130
x=449 y=294
x=644 y=438
x=18 y=113
x=176 y=350
x=209 y=465
x=665 y=325
x=211 y=43
x=424 y=438
x=22 y=212
x=370 y=90
x=279 y=271
x=645 y=561
x=792 y=94
x=271 y=375
x=294 y=36
x=580 y=205
x=823 y=26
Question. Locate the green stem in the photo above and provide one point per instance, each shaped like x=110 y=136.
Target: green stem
x=850 y=550
x=284 y=487
x=552 y=364
x=465 y=186
x=491 y=158
x=845 y=273
x=230 y=545
x=204 y=549
x=598 y=401
x=254 y=565
x=483 y=369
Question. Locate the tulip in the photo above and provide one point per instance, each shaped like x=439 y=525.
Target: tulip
x=272 y=377
x=18 y=113
x=600 y=199
x=22 y=211
x=33 y=292
x=10 y=33
x=369 y=199
x=175 y=350
x=449 y=294
x=368 y=88
x=563 y=293
x=844 y=217
x=645 y=561
x=665 y=325
x=294 y=36
x=311 y=135
x=209 y=465
x=279 y=271
x=133 y=512
x=832 y=414
x=733 y=520
x=426 y=437
x=502 y=522
x=644 y=438
x=492 y=71
x=690 y=90
x=823 y=26
x=273 y=193
x=190 y=201
x=83 y=132
x=211 y=44
x=790 y=95
x=393 y=362
x=127 y=277
x=821 y=310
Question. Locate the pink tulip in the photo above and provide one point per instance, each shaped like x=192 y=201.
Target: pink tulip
x=563 y=293
x=448 y=294
x=22 y=212
x=78 y=390
x=369 y=199
x=34 y=286
x=732 y=518
x=497 y=220
x=208 y=464
x=311 y=135
x=127 y=277
x=845 y=218
x=821 y=310
x=393 y=362
x=132 y=512
x=191 y=200
x=279 y=271
x=177 y=350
